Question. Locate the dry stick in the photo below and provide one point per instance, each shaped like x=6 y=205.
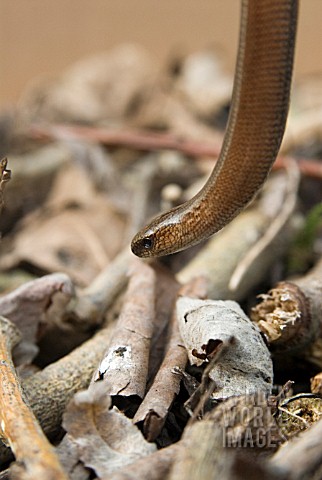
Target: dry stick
x=155 y=407
x=92 y=303
x=150 y=141
x=33 y=452
x=244 y=423
x=125 y=363
x=49 y=391
x=202 y=454
x=139 y=140
x=290 y=314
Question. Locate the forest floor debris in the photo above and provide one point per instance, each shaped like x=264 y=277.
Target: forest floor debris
x=129 y=369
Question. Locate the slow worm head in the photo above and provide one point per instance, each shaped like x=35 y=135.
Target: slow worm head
x=253 y=136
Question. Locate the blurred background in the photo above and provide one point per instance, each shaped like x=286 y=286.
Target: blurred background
x=42 y=37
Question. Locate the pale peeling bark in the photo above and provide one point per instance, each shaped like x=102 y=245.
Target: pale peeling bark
x=290 y=315
x=124 y=367
x=221 y=329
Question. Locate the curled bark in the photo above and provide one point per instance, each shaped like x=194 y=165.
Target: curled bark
x=221 y=331
x=34 y=307
x=290 y=314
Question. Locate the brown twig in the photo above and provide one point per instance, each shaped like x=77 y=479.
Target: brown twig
x=35 y=456
x=49 y=390
x=149 y=141
x=138 y=140
x=156 y=405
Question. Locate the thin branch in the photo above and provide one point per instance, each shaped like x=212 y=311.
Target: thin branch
x=150 y=141
x=135 y=139
x=34 y=454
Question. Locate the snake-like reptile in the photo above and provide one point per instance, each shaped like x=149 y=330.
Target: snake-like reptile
x=254 y=132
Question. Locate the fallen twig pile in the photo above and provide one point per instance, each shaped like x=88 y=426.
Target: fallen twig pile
x=115 y=368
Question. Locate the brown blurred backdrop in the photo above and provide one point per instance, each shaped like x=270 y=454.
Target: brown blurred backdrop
x=43 y=36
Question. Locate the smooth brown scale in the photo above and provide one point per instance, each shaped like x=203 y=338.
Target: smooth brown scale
x=253 y=136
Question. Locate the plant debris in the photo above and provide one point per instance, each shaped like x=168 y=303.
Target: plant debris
x=130 y=369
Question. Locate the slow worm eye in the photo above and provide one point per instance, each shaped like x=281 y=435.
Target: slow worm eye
x=147 y=242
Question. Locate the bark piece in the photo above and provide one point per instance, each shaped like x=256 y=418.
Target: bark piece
x=166 y=293
x=33 y=307
x=201 y=454
x=34 y=455
x=124 y=367
x=290 y=314
x=155 y=407
x=316 y=384
x=106 y=439
x=244 y=364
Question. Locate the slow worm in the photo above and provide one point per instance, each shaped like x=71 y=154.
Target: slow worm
x=253 y=135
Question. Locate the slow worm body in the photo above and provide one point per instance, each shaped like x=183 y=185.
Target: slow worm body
x=253 y=135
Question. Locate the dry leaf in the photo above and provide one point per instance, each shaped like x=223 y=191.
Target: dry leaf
x=33 y=306
x=70 y=233
x=106 y=439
